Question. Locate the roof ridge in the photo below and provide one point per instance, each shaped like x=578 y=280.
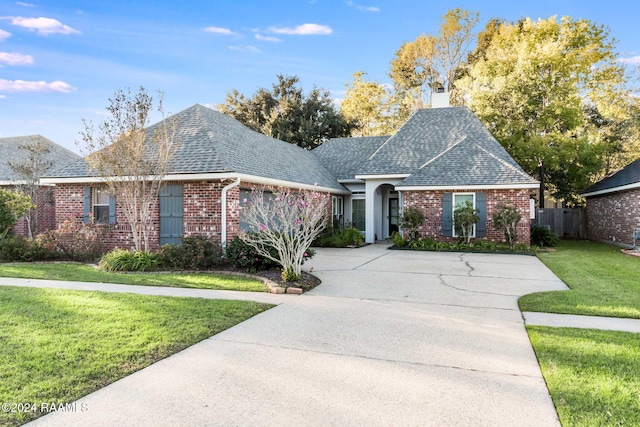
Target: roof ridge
x=455 y=144
x=520 y=171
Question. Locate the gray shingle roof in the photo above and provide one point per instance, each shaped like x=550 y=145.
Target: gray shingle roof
x=212 y=142
x=343 y=156
x=630 y=174
x=10 y=152
x=446 y=147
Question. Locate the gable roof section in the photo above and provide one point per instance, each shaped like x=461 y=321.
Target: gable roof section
x=625 y=179
x=343 y=156
x=445 y=147
x=212 y=142
x=10 y=152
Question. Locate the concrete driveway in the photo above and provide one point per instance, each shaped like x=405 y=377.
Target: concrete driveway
x=389 y=338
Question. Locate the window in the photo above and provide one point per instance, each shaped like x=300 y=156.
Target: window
x=459 y=200
x=358 y=210
x=337 y=208
x=101 y=206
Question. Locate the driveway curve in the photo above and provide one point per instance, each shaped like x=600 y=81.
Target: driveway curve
x=388 y=338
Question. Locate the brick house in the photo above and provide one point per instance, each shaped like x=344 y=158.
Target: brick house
x=613 y=206
x=12 y=151
x=439 y=158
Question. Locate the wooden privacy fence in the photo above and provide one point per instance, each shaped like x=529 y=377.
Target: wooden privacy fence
x=565 y=223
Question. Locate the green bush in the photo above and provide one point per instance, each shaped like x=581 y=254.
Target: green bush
x=241 y=255
x=340 y=239
x=410 y=221
x=541 y=236
x=21 y=249
x=124 y=260
x=195 y=253
x=398 y=240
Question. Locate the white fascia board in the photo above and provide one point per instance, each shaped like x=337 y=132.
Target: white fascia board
x=612 y=189
x=205 y=177
x=351 y=181
x=390 y=176
x=468 y=187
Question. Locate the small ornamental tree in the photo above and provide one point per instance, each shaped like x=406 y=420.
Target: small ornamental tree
x=464 y=218
x=507 y=218
x=289 y=221
x=131 y=159
x=410 y=221
x=13 y=206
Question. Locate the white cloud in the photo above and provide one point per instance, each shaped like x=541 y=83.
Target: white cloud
x=43 y=26
x=247 y=48
x=267 y=38
x=3 y=96
x=360 y=7
x=4 y=35
x=34 y=86
x=634 y=60
x=7 y=58
x=220 y=30
x=303 y=30
x=21 y=3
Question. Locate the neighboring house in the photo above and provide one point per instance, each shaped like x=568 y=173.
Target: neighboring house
x=439 y=158
x=12 y=153
x=613 y=206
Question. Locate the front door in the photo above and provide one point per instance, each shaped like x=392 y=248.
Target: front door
x=393 y=216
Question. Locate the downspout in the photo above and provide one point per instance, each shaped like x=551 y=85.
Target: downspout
x=223 y=202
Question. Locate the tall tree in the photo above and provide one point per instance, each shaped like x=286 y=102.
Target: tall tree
x=131 y=159
x=433 y=61
x=370 y=107
x=286 y=113
x=30 y=170
x=533 y=83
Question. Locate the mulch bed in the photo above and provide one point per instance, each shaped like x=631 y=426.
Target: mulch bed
x=307 y=282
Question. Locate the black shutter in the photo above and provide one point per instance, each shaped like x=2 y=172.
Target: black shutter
x=87 y=204
x=447 y=212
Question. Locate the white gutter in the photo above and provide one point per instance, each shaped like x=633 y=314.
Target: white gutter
x=388 y=176
x=206 y=177
x=466 y=187
x=612 y=189
x=223 y=201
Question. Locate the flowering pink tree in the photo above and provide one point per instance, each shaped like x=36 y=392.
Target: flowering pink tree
x=288 y=221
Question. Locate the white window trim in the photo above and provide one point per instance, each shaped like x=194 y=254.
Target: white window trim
x=453 y=209
x=94 y=204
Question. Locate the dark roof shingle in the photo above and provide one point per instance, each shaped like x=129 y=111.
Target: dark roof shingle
x=10 y=151
x=630 y=174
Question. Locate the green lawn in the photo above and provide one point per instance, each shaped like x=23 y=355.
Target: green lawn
x=59 y=345
x=593 y=376
x=603 y=281
x=86 y=273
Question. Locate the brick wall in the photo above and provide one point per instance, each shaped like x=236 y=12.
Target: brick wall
x=43 y=218
x=613 y=215
x=430 y=202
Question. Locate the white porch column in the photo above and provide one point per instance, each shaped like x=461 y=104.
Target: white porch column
x=370 y=199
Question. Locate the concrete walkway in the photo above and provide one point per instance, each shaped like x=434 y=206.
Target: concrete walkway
x=389 y=338
x=577 y=321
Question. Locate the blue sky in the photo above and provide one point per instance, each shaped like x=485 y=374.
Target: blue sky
x=61 y=60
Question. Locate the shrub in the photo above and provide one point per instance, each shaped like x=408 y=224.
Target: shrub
x=76 y=241
x=507 y=218
x=410 y=221
x=13 y=205
x=541 y=236
x=21 y=249
x=241 y=255
x=123 y=260
x=341 y=239
x=398 y=240
x=195 y=253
